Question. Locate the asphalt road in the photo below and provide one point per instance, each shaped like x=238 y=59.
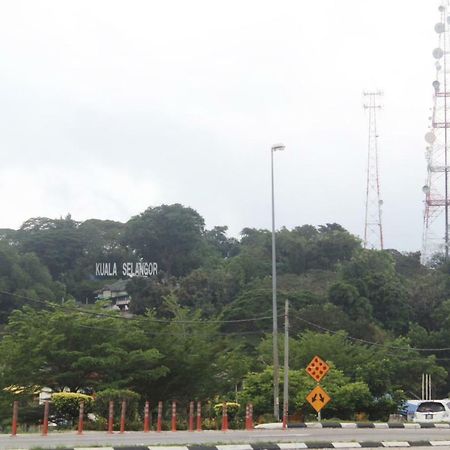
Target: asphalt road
x=71 y=439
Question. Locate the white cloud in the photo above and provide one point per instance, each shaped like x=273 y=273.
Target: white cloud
x=107 y=107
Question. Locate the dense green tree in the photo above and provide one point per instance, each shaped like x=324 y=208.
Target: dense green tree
x=66 y=348
x=24 y=280
x=171 y=235
x=56 y=242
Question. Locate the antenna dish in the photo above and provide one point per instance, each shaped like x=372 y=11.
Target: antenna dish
x=430 y=137
x=448 y=19
x=441 y=8
x=426 y=189
x=438 y=53
x=380 y=202
x=438 y=66
x=439 y=28
x=436 y=85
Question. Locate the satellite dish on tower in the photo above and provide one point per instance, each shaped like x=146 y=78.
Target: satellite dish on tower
x=441 y=8
x=439 y=28
x=426 y=189
x=438 y=53
x=430 y=137
x=436 y=85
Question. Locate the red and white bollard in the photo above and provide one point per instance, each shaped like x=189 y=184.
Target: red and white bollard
x=285 y=417
x=45 y=423
x=199 y=416
x=250 y=416
x=122 y=416
x=81 y=418
x=174 y=416
x=160 y=413
x=247 y=417
x=111 y=417
x=191 y=416
x=147 y=417
x=224 y=417
x=15 y=417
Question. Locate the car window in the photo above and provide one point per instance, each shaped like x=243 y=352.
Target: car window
x=430 y=407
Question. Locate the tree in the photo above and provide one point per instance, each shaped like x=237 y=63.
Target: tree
x=23 y=280
x=56 y=242
x=189 y=348
x=171 y=235
x=347 y=297
x=66 y=348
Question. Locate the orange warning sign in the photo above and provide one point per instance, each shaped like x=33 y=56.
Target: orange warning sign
x=317 y=368
x=318 y=398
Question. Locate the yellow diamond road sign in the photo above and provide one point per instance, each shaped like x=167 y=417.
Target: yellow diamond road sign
x=317 y=368
x=318 y=398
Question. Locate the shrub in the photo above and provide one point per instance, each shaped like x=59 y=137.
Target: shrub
x=67 y=404
x=102 y=399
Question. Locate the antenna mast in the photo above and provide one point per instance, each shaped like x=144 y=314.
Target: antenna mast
x=436 y=215
x=373 y=229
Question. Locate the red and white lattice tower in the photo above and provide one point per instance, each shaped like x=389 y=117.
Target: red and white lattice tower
x=373 y=229
x=435 y=240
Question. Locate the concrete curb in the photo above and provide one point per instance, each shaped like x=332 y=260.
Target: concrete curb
x=282 y=446
x=362 y=425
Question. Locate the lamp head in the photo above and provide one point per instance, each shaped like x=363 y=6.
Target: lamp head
x=278 y=147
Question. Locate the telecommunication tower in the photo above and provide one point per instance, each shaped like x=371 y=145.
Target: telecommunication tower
x=373 y=229
x=435 y=240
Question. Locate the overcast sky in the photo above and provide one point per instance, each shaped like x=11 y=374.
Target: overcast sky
x=108 y=107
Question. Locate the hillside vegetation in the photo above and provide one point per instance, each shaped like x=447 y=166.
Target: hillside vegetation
x=201 y=328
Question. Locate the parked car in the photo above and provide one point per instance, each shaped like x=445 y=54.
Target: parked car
x=433 y=411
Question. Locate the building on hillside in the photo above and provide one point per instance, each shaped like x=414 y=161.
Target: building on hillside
x=117 y=294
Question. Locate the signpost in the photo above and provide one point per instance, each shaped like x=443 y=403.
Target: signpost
x=318 y=398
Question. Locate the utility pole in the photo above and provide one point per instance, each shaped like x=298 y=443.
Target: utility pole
x=286 y=366
x=276 y=362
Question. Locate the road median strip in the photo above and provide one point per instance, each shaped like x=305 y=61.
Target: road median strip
x=281 y=446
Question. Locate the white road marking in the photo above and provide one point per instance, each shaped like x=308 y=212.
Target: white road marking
x=395 y=444
x=291 y=445
x=93 y=448
x=313 y=425
x=346 y=444
x=177 y=447
x=440 y=443
x=235 y=447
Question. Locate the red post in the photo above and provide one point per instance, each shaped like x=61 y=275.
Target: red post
x=174 y=416
x=111 y=417
x=199 y=416
x=191 y=416
x=45 y=424
x=250 y=416
x=247 y=415
x=224 y=417
x=122 y=416
x=147 y=417
x=81 y=418
x=160 y=412
x=14 y=418
x=285 y=418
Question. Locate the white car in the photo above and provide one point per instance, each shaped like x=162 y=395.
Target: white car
x=433 y=411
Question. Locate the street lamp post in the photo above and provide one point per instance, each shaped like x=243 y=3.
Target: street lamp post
x=276 y=367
